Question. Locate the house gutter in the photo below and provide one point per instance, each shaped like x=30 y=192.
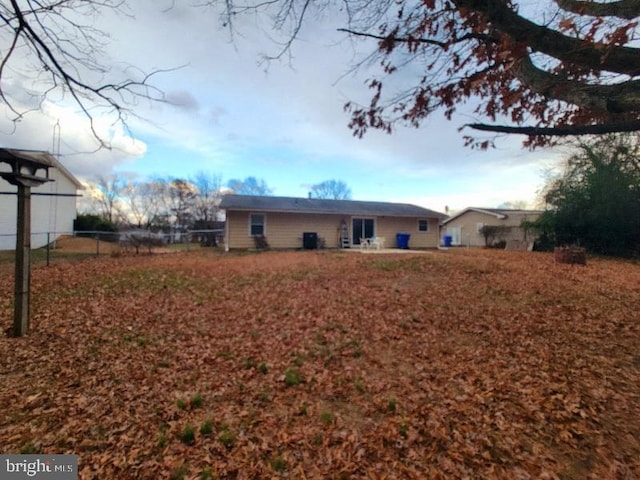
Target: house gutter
x=226 y=233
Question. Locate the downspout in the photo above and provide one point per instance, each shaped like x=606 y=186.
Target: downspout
x=226 y=231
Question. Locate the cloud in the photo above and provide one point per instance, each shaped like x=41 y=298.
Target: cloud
x=183 y=100
x=76 y=144
x=230 y=113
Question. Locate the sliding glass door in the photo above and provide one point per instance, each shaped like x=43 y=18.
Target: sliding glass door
x=361 y=228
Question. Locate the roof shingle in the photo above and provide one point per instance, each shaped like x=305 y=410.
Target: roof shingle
x=315 y=205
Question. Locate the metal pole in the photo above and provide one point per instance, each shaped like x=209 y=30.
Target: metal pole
x=48 y=247
x=23 y=262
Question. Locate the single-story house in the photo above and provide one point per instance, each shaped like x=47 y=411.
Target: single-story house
x=53 y=204
x=466 y=227
x=288 y=222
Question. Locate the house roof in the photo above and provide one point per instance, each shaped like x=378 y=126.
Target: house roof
x=38 y=158
x=69 y=175
x=316 y=205
x=499 y=213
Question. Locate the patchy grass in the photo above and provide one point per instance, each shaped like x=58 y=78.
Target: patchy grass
x=188 y=435
x=457 y=364
x=292 y=377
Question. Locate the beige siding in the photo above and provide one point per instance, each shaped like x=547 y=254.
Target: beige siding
x=388 y=227
x=469 y=224
x=284 y=230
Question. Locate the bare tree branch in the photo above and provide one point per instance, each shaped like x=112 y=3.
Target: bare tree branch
x=66 y=52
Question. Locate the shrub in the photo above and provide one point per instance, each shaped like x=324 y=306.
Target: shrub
x=93 y=223
x=261 y=242
x=494 y=235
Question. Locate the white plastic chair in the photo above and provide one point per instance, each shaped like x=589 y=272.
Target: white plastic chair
x=377 y=242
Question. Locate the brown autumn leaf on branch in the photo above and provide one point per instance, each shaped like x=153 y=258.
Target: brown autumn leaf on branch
x=458 y=364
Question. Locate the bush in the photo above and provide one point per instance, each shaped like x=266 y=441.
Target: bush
x=494 y=235
x=261 y=242
x=93 y=223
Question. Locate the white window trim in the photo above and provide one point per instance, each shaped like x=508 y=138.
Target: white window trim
x=264 y=223
x=428 y=227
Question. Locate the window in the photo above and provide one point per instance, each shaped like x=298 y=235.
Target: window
x=423 y=225
x=256 y=224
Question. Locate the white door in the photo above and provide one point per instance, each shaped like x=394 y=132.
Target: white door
x=455 y=235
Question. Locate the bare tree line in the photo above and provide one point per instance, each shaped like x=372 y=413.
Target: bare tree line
x=162 y=204
x=179 y=204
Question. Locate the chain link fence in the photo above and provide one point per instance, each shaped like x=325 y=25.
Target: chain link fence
x=47 y=246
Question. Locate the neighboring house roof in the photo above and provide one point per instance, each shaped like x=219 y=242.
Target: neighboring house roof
x=315 y=205
x=499 y=213
x=40 y=158
x=69 y=175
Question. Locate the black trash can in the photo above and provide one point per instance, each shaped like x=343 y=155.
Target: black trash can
x=310 y=240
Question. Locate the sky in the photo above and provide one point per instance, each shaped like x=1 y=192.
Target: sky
x=233 y=115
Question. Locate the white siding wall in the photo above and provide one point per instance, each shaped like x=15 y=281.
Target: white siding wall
x=48 y=213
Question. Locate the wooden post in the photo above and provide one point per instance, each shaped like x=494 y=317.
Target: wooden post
x=24 y=167
x=23 y=262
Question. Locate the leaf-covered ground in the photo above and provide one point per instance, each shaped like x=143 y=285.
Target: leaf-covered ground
x=328 y=365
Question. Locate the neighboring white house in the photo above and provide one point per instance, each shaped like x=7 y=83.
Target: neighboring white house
x=53 y=207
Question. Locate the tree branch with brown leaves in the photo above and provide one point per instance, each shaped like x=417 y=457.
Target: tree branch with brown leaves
x=565 y=67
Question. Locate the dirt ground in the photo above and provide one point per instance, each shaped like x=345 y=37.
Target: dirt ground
x=84 y=245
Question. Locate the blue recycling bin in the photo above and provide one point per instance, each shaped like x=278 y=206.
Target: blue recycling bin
x=448 y=240
x=402 y=239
